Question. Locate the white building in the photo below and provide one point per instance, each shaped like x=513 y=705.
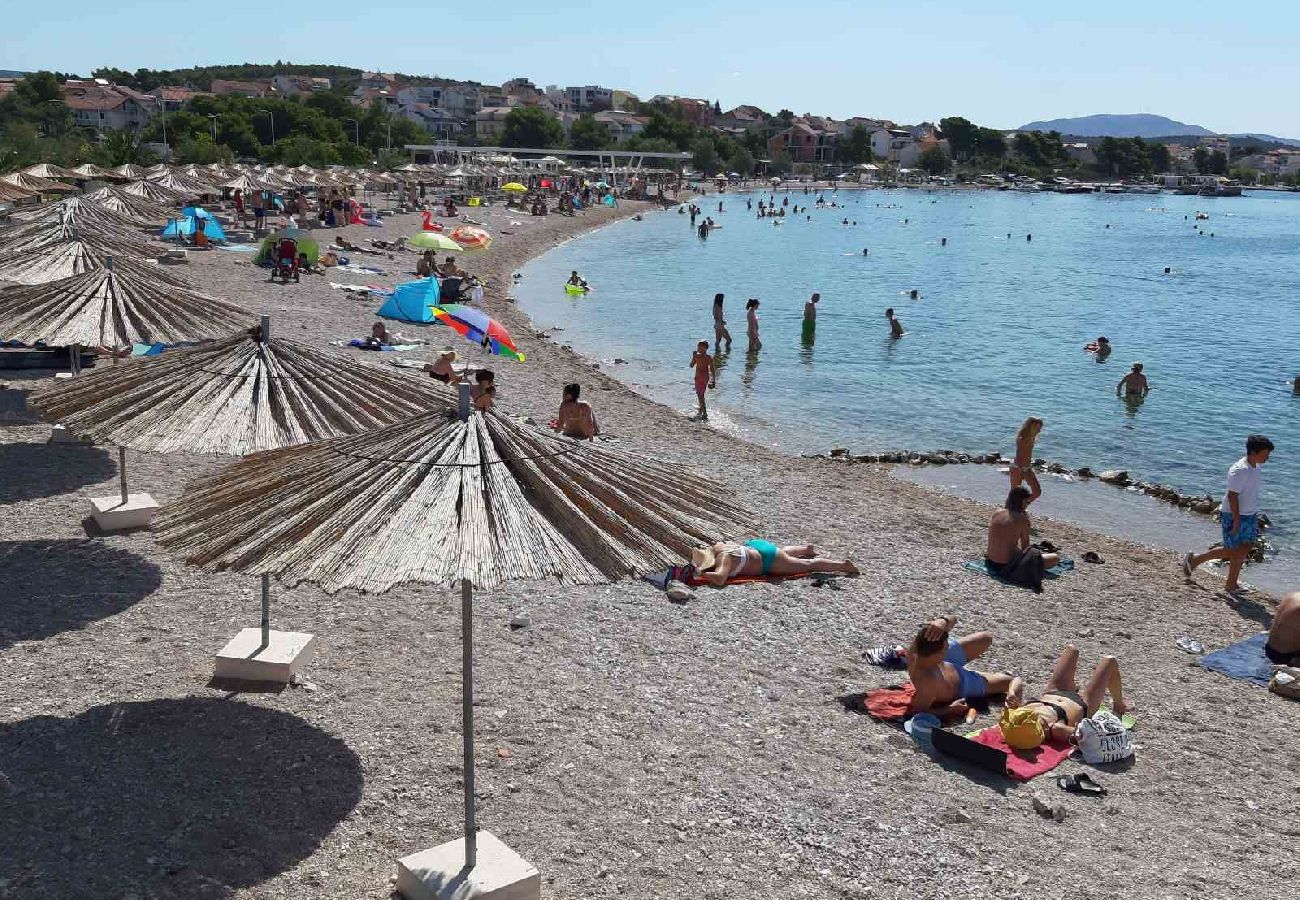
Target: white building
x=296 y=85
x=895 y=145
x=103 y=106
x=589 y=98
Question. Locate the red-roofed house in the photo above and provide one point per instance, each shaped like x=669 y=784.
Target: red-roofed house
x=173 y=97
x=106 y=107
x=242 y=88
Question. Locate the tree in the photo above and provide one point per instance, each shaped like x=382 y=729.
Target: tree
x=742 y=162
x=531 y=126
x=38 y=101
x=785 y=116
x=1201 y=158
x=1124 y=157
x=704 y=156
x=855 y=147
x=962 y=135
x=120 y=147
x=201 y=148
x=1218 y=163
x=588 y=134
x=1161 y=161
x=780 y=163
x=991 y=142
x=933 y=160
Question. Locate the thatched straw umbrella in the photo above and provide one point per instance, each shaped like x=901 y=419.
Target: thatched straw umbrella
x=184 y=185
x=92 y=171
x=245 y=183
x=471 y=499
x=12 y=193
x=52 y=261
x=50 y=170
x=129 y=171
x=37 y=184
x=132 y=206
x=151 y=190
x=99 y=228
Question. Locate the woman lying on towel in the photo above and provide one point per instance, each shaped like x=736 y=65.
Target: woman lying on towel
x=761 y=559
x=1061 y=706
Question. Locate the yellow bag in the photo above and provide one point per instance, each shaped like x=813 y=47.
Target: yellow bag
x=473 y=201
x=1021 y=728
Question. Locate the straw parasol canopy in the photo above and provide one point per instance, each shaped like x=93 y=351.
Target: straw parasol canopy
x=191 y=188
x=38 y=184
x=63 y=259
x=12 y=193
x=437 y=500
x=243 y=183
x=90 y=170
x=132 y=206
x=128 y=170
x=49 y=170
x=234 y=396
x=112 y=307
x=152 y=190
x=76 y=220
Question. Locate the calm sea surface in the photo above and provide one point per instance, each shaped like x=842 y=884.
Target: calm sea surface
x=997 y=333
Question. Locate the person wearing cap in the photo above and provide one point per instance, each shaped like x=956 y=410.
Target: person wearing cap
x=936 y=664
x=1134 y=384
x=1054 y=714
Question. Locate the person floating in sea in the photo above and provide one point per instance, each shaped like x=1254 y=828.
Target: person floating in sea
x=719 y=206
x=1239 y=515
x=914 y=294
x=720 y=332
x=703 y=230
x=1022 y=469
x=1168 y=270
x=1134 y=384
x=943 y=242
x=705 y=367
x=576 y=418
x=810 y=319
x=895 y=324
x=751 y=324
x=866 y=252
x=1101 y=347
x=1029 y=237
x=577 y=280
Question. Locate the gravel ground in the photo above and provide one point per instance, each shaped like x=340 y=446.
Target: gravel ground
x=627 y=745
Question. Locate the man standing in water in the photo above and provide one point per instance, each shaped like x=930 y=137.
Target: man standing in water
x=810 y=319
x=1239 y=515
x=895 y=325
x=1134 y=384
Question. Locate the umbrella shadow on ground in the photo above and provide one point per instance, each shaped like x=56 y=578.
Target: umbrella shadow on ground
x=167 y=798
x=62 y=585
x=47 y=470
x=13 y=408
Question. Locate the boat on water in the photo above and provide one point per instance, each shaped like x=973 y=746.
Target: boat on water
x=1143 y=188
x=1221 y=188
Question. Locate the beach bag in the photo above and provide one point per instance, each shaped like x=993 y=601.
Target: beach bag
x=1103 y=739
x=1286 y=682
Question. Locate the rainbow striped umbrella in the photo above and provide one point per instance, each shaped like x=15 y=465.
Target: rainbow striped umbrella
x=477 y=326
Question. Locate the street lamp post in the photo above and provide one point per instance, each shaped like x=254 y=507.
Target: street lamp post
x=162 y=107
x=357 y=125
x=212 y=119
x=270 y=116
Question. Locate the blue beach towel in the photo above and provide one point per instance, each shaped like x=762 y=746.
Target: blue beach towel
x=1056 y=571
x=1244 y=660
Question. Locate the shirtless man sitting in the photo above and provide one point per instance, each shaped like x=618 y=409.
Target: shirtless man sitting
x=1283 y=645
x=576 y=418
x=1061 y=706
x=1009 y=532
x=937 y=664
x=1134 y=384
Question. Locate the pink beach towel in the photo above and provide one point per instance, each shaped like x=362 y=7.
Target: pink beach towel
x=1023 y=765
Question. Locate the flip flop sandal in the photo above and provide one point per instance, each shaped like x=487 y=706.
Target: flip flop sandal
x=1091 y=557
x=1080 y=783
x=1047 y=547
x=1190 y=645
x=886 y=657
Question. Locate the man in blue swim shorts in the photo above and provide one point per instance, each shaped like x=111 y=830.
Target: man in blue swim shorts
x=1239 y=515
x=937 y=667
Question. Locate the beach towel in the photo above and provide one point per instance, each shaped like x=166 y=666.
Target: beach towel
x=365 y=290
x=1023 y=765
x=979 y=565
x=358 y=269
x=1244 y=660
x=147 y=349
x=686 y=575
x=362 y=345
x=887 y=704
x=237 y=248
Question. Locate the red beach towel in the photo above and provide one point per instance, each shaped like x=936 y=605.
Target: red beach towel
x=889 y=704
x=1023 y=765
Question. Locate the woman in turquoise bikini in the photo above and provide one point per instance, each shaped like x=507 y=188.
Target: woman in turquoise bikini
x=759 y=558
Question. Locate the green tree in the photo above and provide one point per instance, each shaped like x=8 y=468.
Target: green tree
x=201 y=148
x=649 y=144
x=1161 y=161
x=1218 y=163
x=742 y=161
x=780 y=163
x=962 y=135
x=1201 y=159
x=934 y=161
x=120 y=147
x=38 y=101
x=855 y=147
x=588 y=134
x=531 y=126
x=991 y=142
x=704 y=156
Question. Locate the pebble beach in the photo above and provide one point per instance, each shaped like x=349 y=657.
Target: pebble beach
x=627 y=745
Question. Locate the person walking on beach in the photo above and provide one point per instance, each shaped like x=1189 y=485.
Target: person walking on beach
x=751 y=324
x=1134 y=384
x=705 y=376
x=810 y=319
x=1239 y=514
x=895 y=324
x=720 y=332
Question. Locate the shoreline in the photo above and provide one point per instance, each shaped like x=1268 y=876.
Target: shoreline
x=650 y=748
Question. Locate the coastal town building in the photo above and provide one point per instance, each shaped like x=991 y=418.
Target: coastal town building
x=621 y=125
x=698 y=112
x=297 y=85
x=589 y=98
x=490 y=121
x=896 y=145
x=809 y=139
x=1080 y=152
x=103 y=106
x=173 y=97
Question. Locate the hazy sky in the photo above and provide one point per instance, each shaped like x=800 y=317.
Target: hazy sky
x=1227 y=67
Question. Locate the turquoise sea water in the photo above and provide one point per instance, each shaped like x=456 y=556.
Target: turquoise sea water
x=997 y=335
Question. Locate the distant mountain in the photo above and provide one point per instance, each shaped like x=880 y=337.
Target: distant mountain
x=1264 y=139
x=1135 y=125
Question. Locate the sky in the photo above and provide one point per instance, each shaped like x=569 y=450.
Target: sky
x=1000 y=64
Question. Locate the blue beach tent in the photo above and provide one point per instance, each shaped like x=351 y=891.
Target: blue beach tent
x=412 y=301
x=185 y=226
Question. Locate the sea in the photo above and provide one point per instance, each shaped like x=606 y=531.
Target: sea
x=1010 y=288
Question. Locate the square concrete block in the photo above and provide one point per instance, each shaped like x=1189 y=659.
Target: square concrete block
x=64 y=375
x=279 y=661
x=438 y=874
x=111 y=514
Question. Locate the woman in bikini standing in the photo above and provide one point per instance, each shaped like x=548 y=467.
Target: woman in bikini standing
x=1022 y=469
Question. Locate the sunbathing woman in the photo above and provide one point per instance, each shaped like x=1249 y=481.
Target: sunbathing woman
x=1061 y=707
x=759 y=558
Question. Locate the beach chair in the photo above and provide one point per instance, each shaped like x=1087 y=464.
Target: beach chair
x=285 y=260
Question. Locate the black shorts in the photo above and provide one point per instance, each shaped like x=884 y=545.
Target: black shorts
x=1278 y=658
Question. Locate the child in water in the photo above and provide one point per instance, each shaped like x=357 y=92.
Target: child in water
x=1022 y=469
x=705 y=375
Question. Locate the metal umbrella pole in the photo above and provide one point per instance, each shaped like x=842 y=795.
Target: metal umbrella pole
x=266 y=579
x=467 y=686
